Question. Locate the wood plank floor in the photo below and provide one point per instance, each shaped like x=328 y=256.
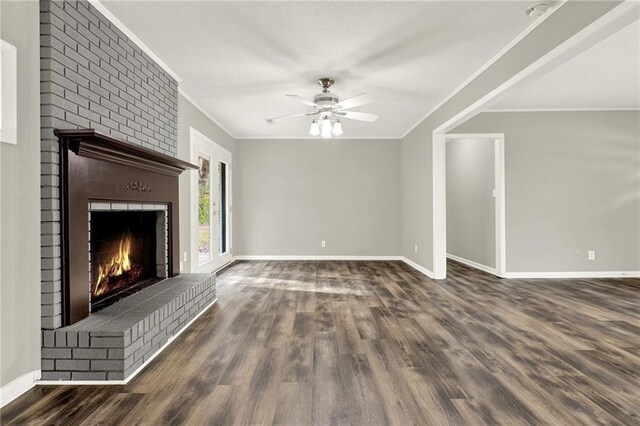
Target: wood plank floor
x=375 y=343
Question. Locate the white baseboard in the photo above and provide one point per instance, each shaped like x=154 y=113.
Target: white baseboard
x=580 y=274
x=313 y=257
x=414 y=265
x=473 y=264
x=18 y=386
x=135 y=373
x=430 y=274
x=304 y=257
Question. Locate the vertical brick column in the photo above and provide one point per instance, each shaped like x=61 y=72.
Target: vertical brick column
x=92 y=76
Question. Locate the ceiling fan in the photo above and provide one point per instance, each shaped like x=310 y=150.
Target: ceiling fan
x=330 y=109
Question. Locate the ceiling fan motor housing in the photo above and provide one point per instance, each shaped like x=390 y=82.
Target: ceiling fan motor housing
x=326 y=99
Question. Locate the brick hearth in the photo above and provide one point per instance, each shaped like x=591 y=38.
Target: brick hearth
x=114 y=342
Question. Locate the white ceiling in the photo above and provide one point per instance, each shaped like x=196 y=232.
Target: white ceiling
x=239 y=59
x=605 y=76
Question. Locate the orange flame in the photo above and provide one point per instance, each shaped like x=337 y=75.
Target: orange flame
x=119 y=264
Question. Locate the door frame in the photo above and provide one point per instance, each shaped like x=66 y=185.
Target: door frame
x=199 y=142
x=499 y=198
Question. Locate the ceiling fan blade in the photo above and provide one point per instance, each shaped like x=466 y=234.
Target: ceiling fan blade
x=353 y=102
x=352 y=115
x=272 y=120
x=305 y=101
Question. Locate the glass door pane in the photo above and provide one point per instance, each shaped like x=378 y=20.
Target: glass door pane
x=204 y=209
x=222 y=209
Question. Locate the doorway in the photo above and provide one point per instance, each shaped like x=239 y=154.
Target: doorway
x=475 y=209
x=210 y=205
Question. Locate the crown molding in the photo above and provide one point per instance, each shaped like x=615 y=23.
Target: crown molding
x=134 y=38
x=205 y=112
x=482 y=69
x=561 y=109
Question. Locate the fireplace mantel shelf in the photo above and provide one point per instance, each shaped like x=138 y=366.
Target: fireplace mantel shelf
x=93 y=144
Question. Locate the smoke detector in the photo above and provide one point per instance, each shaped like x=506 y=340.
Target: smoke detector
x=537 y=9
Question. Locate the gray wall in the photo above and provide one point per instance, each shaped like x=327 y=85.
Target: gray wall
x=93 y=76
x=20 y=204
x=417 y=155
x=470 y=202
x=189 y=116
x=572 y=185
x=291 y=194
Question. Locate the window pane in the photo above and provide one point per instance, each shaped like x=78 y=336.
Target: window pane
x=204 y=210
x=223 y=208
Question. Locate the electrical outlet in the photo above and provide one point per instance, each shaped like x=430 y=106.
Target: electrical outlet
x=184 y=257
x=415 y=248
x=591 y=255
x=323 y=243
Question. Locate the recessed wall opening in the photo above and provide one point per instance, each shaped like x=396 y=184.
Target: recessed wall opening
x=475 y=228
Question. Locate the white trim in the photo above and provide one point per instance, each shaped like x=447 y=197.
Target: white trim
x=8 y=93
x=580 y=274
x=561 y=109
x=18 y=386
x=417 y=267
x=313 y=257
x=439 y=207
x=473 y=264
x=440 y=201
x=205 y=112
x=500 y=196
x=134 y=38
x=198 y=142
x=135 y=373
x=491 y=61
x=219 y=149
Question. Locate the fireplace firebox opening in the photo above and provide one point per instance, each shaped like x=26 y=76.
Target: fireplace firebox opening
x=127 y=253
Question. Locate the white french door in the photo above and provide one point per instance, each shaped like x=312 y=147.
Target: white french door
x=210 y=205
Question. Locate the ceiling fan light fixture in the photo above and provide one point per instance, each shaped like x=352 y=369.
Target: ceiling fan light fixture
x=329 y=110
x=337 y=128
x=314 y=130
x=325 y=129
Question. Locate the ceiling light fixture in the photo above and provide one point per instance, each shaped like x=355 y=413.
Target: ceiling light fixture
x=337 y=128
x=330 y=110
x=314 y=130
x=325 y=128
x=538 y=9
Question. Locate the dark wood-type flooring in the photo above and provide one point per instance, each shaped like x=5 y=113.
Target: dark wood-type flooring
x=374 y=343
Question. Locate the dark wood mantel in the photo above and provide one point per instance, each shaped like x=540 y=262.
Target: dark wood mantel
x=98 y=167
x=93 y=144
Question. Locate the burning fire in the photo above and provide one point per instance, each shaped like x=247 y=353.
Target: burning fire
x=119 y=271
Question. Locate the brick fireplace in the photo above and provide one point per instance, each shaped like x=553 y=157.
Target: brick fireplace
x=94 y=77
x=121 y=297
